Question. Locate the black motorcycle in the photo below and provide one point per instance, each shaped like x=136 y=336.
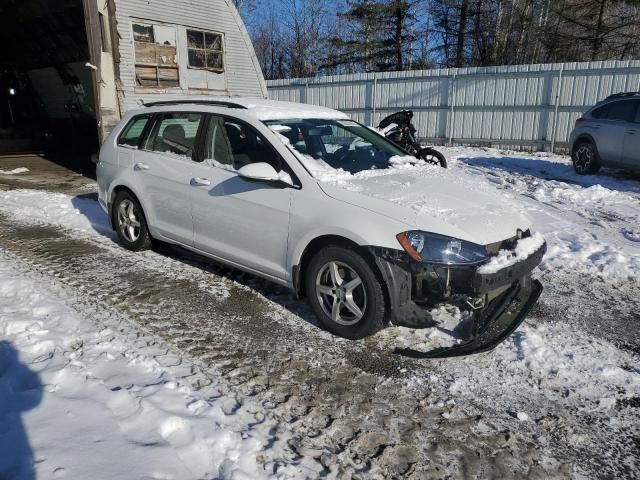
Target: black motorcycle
x=403 y=134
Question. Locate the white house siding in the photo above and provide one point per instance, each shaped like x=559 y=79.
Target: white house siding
x=242 y=75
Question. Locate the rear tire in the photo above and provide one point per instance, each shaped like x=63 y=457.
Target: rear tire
x=130 y=222
x=585 y=158
x=432 y=156
x=345 y=293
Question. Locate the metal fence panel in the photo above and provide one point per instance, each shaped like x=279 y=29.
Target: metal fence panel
x=523 y=105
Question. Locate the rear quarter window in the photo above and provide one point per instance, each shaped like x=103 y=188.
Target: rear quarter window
x=132 y=133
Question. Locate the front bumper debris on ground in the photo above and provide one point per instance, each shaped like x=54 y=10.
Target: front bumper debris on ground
x=493 y=324
x=500 y=300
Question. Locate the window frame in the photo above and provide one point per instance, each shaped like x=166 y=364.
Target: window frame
x=204 y=49
x=175 y=84
x=157 y=120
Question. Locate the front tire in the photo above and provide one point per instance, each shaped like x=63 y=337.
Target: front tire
x=585 y=158
x=130 y=222
x=432 y=156
x=345 y=293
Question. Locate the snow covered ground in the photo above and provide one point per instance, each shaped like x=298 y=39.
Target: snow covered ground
x=110 y=371
x=592 y=223
x=92 y=399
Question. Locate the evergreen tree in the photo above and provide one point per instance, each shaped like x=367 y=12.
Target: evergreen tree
x=381 y=35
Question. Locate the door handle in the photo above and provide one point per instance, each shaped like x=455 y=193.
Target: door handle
x=141 y=166
x=632 y=131
x=200 y=182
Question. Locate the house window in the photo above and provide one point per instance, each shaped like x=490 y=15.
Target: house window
x=156 y=56
x=205 y=50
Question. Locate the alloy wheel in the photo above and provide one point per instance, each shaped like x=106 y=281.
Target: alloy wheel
x=129 y=220
x=583 y=158
x=341 y=293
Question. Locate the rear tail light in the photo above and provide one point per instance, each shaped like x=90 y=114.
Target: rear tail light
x=579 y=121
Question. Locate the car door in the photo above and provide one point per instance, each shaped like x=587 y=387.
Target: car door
x=163 y=164
x=243 y=222
x=608 y=129
x=631 y=144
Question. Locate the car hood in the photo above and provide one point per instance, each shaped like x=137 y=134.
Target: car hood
x=444 y=201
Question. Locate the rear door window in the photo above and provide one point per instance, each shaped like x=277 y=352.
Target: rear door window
x=234 y=144
x=624 y=111
x=132 y=133
x=175 y=133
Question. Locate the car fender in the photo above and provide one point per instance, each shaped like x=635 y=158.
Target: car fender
x=331 y=217
x=583 y=136
x=122 y=180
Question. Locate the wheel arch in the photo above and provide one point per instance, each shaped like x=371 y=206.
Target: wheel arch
x=114 y=193
x=582 y=138
x=319 y=242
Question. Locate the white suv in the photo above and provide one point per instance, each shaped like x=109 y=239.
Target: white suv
x=308 y=198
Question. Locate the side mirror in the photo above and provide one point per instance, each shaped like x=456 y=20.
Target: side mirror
x=263 y=172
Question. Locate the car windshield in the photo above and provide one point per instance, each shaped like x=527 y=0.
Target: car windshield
x=339 y=144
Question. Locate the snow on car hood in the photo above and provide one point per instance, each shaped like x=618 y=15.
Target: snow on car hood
x=429 y=198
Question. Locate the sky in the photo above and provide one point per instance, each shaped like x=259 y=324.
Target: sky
x=253 y=11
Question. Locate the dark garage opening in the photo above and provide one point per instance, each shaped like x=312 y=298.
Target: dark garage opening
x=46 y=89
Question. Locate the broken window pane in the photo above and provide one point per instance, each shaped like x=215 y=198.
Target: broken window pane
x=164 y=35
x=196 y=58
x=213 y=41
x=143 y=33
x=195 y=39
x=214 y=60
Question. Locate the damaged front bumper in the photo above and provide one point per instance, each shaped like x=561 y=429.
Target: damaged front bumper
x=499 y=301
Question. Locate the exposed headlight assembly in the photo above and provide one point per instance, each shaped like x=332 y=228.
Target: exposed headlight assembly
x=434 y=248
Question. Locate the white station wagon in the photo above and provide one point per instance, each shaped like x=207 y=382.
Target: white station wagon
x=305 y=197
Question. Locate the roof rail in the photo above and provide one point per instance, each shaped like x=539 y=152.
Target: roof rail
x=624 y=94
x=215 y=103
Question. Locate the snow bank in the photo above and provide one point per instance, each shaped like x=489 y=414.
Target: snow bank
x=77 y=213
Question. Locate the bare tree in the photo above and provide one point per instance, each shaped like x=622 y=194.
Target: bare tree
x=300 y=38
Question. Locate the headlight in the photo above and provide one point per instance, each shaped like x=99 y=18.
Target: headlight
x=434 y=248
